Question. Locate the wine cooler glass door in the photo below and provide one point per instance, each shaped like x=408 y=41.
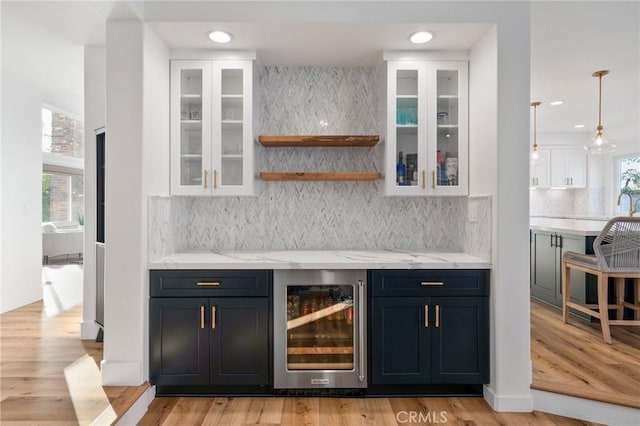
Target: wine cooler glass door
x=319 y=339
x=320 y=327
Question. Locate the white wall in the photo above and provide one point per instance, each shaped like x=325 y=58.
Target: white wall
x=27 y=83
x=94 y=117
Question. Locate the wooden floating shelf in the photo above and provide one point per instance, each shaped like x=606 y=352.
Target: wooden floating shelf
x=327 y=176
x=318 y=140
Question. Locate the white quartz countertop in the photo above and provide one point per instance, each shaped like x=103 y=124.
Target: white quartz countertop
x=567 y=226
x=318 y=259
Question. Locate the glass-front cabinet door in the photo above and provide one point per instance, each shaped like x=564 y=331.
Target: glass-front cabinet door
x=211 y=127
x=448 y=152
x=406 y=147
x=190 y=127
x=232 y=122
x=427 y=115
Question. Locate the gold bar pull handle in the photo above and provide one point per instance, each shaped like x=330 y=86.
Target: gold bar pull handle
x=428 y=283
x=433 y=179
x=424 y=179
x=208 y=284
x=426 y=316
x=437 y=316
x=215 y=179
x=204 y=178
x=201 y=316
x=213 y=317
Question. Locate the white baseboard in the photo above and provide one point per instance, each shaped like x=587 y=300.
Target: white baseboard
x=585 y=409
x=508 y=403
x=89 y=330
x=121 y=373
x=135 y=413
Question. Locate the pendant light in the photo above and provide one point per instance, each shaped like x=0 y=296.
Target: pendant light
x=534 y=151
x=599 y=145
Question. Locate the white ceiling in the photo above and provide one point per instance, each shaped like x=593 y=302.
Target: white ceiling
x=569 y=40
x=320 y=44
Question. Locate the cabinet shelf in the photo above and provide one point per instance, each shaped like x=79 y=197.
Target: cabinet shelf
x=316 y=176
x=318 y=140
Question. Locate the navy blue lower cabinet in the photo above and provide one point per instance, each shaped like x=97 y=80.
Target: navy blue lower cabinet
x=399 y=341
x=240 y=341
x=459 y=340
x=433 y=336
x=179 y=345
x=212 y=344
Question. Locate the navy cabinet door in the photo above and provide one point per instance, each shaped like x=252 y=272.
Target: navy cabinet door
x=239 y=341
x=400 y=350
x=179 y=341
x=459 y=340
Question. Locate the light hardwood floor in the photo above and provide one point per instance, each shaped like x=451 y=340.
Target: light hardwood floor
x=50 y=377
x=572 y=358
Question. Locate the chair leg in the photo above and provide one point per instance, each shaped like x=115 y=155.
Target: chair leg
x=566 y=286
x=620 y=297
x=603 y=303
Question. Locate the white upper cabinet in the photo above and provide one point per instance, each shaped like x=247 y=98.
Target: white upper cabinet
x=568 y=168
x=211 y=127
x=426 y=128
x=540 y=170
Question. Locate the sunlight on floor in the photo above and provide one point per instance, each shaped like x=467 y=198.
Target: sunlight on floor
x=90 y=403
x=61 y=287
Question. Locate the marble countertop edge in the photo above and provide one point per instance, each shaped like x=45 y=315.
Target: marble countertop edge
x=318 y=259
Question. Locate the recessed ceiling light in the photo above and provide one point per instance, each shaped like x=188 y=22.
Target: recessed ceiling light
x=420 y=37
x=554 y=103
x=220 y=36
x=578 y=126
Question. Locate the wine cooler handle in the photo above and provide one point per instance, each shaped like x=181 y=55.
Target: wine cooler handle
x=360 y=330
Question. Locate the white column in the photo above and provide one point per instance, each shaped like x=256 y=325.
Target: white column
x=124 y=261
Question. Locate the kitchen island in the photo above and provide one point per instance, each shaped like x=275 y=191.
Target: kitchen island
x=326 y=322
x=550 y=238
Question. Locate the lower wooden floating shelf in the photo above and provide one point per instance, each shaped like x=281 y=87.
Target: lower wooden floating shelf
x=326 y=176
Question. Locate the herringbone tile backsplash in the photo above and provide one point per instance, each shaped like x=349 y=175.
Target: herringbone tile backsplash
x=312 y=215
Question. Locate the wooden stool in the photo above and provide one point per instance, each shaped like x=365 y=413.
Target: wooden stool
x=617 y=255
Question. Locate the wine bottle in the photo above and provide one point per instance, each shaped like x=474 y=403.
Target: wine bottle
x=400 y=171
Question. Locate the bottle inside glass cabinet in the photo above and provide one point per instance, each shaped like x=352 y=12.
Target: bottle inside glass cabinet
x=320 y=330
x=407 y=117
x=448 y=126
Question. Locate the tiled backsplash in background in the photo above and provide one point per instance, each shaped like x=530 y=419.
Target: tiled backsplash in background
x=318 y=215
x=586 y=202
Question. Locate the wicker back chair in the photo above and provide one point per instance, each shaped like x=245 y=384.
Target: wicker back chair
x=617 y=255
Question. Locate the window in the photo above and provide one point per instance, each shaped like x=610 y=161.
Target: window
x=62 y=176
x=628 y=179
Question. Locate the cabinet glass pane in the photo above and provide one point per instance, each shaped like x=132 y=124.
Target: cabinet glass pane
x=191 y=127
x=320 y=327
x=232 y=127
x=407 y=127
x=447 y=119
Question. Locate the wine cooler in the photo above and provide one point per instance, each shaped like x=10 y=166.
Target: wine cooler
x=319 y=329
